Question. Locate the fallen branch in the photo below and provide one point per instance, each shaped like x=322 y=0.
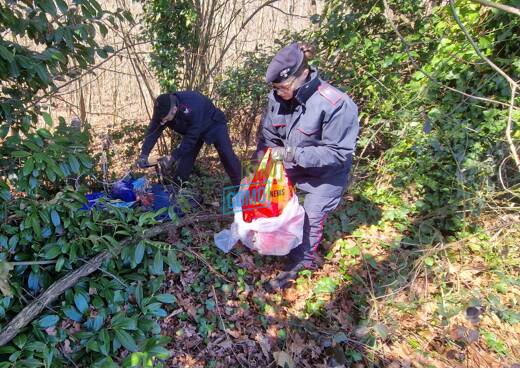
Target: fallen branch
x=32 y=310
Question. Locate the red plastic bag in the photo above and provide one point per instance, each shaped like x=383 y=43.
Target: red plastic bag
x=269 y=191
x=268 y=216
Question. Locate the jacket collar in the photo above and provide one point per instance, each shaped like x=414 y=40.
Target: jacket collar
x=305 y=91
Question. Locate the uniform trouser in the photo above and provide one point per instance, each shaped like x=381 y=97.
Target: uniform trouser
x=317 y=208
x=222 y=142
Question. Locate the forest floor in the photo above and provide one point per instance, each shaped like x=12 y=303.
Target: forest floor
x=376 y=301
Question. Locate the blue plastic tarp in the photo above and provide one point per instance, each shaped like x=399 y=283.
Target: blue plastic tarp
x=124 y=194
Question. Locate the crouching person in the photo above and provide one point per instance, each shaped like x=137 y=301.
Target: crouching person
x=194 y=116
x=313 y=127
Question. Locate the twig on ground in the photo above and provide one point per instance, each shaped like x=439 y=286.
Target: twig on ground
x=224 y=326
x=203 y=260
x=119 y=280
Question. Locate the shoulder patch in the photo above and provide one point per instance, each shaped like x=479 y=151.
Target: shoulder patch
x=184 y=108
x=330 y=94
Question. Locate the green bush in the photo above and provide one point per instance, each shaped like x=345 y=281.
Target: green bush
x=44 y=233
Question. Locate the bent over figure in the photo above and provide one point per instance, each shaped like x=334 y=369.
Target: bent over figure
x=196 y=118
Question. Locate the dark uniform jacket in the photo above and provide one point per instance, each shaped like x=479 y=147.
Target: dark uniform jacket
x=321 y=123
x=195 y=118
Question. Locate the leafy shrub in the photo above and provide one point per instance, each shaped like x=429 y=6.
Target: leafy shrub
x=44 y=233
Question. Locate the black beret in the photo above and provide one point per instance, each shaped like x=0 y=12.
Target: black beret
x=285 y=63
x=163 y=104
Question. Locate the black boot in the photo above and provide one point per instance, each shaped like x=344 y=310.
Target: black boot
x=290 y=272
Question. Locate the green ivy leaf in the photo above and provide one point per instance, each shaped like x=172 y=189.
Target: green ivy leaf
x=3 y=241
x=157 y=267
x=174 y=264
x=72 y=313
x=102 y=53
x=20 y=154
x=128 y=16
x=81 y=302
x=59 y=264
x=43 y=73
x=28 y=166
x=62 y=5
x=126 y=340
x=20 y=340
x=139 y=295
x=74 y=164
x=55 y=217
x=104 y=342
x=6 y=54
x=138 y=253
x=47 y=6
x=122 y=322
x=48 y=121
x=48 y=321
x=53 y=252
x=166 y=298
x=13 y=241
x=35 y=223
x=103 y=29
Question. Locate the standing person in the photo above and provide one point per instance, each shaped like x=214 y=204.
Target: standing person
x=194 y=116
x=313 y=127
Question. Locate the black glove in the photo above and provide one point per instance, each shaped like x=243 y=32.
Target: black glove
x=280 y=153
x=142 y=162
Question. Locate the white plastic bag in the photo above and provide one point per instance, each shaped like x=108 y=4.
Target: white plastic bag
x=274 y=236
x=226 y=239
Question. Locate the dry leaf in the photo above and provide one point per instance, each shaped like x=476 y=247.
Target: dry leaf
x=66 y=347
x=265 y=344
x=283 y=359
x=51 y=330
x=226 y=344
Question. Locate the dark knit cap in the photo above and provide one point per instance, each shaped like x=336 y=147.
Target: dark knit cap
x=163 y=104
x=285 y=63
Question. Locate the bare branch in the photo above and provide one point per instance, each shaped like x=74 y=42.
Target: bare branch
x=226 y=47
x=505 y=8
x=512 y=148
x=388 y=14
x=87 y=71
x=479 y=52
x=286 y=13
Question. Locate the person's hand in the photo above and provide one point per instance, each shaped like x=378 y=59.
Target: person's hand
x=280 y=153
x=142 y=162
x=168 y=164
